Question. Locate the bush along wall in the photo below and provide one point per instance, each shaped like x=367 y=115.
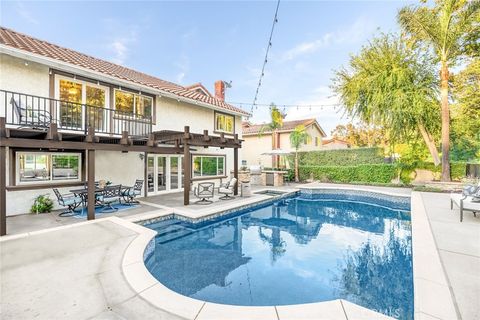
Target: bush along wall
x=375 y=173
x=342 y=157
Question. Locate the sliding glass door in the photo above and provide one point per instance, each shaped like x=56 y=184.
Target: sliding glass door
x=165 y=173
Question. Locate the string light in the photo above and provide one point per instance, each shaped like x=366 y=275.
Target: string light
x=297 y=106
x=275 y=20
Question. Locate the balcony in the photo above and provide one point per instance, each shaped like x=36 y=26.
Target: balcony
x=28 y=111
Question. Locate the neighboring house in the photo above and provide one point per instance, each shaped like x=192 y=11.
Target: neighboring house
x=333 y=144
x=77 y=89
x=258 y=140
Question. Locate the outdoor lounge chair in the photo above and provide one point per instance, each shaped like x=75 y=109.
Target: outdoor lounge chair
x=204 y=191
x=129 y=194
x=468 y=200
x=69 y=200
x=38 y=118
x=109 y=196
x=227 y=189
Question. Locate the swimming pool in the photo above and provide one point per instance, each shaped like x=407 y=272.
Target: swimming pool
x=302 y=249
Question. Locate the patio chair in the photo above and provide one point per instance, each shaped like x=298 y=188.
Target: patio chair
x=69 y=200
x=130 y=193
x=38 y=119
x=468 y=200
x=204 y=192
x=109 y=196
x=227 y=189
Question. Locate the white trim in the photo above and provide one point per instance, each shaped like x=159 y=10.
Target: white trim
x=106 y=78
x=168 y=176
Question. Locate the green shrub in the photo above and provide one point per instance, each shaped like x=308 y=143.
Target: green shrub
x=375 y=173
x=458 y=170
x=42 y=204
x=342 y=157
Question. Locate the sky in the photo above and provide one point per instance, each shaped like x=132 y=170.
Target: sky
x=197 y=41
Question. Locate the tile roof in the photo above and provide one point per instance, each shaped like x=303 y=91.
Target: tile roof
x=332 y=140
x=249 y=128
x=24 y=42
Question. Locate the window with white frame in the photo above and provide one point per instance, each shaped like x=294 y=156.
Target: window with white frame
x=44 y=167
x=208 y=166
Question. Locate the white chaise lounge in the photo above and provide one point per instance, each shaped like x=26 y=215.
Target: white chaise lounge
x=465 y=203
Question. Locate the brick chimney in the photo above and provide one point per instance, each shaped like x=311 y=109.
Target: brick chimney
x=220 y=90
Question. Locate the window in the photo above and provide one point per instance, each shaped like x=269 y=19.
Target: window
x=74 y=93
x=317 y=139
x=224 y=122
x=205 y=166
x=47 y=167
x=133 y=103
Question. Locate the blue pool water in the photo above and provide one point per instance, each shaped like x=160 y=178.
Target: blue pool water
x=296 y=250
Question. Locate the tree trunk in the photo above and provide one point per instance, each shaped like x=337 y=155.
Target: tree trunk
x=445 y=123
x=297 y=178
x=427 y=137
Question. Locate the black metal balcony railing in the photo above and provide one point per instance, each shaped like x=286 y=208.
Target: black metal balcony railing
x=26 y=110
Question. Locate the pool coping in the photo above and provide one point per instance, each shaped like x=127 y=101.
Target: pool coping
x=432 y=295
x=150 y=289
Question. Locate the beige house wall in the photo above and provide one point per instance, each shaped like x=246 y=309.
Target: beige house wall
x=255 y=145
x=335 y=146
x=19 y=75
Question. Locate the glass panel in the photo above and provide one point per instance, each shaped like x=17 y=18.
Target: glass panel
x=34 y=167
x=209 y=166
x=162 y=173
x=174 y=173
x=197 y=166
x=183 y=170
x=220 y=122
x=70 y=113
x=221 y=168
x=229 y=124
x=124 y=101
x=96 y=98
x=65 y=167
x=150 y=174
x=143 y=106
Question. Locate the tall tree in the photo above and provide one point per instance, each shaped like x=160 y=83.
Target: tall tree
x=447 y=27
x=276 y=123
x=393 y=86
x=297 y=138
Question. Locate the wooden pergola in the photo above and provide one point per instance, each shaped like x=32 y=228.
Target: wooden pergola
x=160 y=142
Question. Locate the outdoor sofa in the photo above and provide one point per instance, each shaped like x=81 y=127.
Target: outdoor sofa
x=468 y=200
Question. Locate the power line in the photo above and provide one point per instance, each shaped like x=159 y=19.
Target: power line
x=275 y=20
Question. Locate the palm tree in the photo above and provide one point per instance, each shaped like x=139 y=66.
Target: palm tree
x=447 y=28
x=276 y=122
x=298 y=137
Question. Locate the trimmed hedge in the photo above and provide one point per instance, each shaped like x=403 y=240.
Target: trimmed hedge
x=458 y=170
x=377 y=173
x=342 y=157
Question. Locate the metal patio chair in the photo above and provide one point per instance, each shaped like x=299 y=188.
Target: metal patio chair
x=69 y=200
x=227 y=189
x=204 y=192
x=109 y=196
x=130 y=193
x=38 y=119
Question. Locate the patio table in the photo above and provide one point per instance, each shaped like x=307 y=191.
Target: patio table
x=83 y=193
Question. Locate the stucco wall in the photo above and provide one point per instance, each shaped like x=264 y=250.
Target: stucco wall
x=33 y=78
x=254 y=146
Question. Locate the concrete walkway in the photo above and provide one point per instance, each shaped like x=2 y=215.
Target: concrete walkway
x=458 y=244
x=72 y=273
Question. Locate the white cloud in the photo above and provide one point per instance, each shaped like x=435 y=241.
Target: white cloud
x=307 y=47
x=183 y=64
x=25 y=14
x=356 y=32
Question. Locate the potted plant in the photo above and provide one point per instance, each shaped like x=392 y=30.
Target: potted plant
x=42 y=204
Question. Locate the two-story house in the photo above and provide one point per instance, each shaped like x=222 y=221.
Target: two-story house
x=259 y=139
x=135 y=123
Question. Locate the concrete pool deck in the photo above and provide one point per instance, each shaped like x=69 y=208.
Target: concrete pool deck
x=27 y=292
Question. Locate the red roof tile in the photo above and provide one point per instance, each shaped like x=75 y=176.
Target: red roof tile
x=24 y=42
x=248 y=128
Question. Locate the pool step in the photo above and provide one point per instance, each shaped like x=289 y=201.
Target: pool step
x=171 y=232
